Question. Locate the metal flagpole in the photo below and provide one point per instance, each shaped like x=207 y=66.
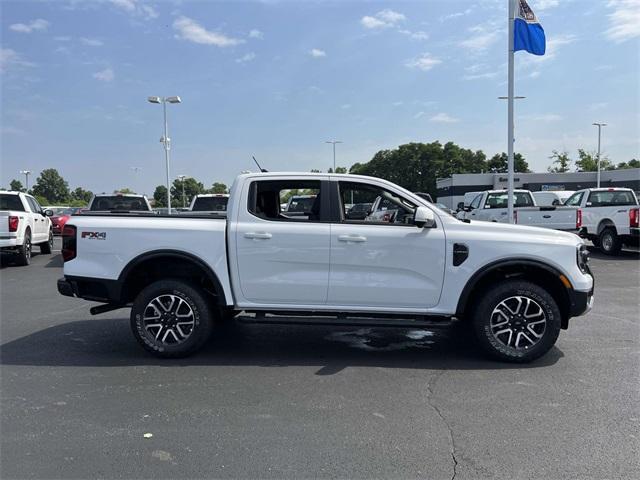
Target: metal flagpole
x=510 y=168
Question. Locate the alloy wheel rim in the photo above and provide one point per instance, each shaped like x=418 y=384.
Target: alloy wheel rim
x=518 y=322
x=607 y=241
x=168 y=320
x=27 y=247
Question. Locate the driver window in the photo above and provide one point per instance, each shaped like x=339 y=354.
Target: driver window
x=362 y=203
x=574 y=200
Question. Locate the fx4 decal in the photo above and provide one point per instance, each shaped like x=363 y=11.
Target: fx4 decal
x=95 y=235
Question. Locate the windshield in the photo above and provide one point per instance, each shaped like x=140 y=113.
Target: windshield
x=119 y=202
x=210 y=204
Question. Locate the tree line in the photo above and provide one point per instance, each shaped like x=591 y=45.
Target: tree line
x=415 y=166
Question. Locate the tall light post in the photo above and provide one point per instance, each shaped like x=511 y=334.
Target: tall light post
x=333 y=142
x=599 y=125
x=165 y=140
x=182 y=177
x=26 y=174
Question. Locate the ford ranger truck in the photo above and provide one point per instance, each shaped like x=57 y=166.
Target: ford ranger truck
x=514 y=286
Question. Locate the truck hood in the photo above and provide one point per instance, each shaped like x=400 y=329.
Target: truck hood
x=503 y=231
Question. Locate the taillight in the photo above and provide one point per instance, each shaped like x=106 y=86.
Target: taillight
x=69 y=243
x=634 y=213
x=13 y=223
x=578 y=218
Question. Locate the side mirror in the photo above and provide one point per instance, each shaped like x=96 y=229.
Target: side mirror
x=48 y=213
x=460 y=206
x=424 y=218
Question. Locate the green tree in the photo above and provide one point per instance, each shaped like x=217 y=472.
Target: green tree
x=51 y=186
x=588 y=162
x=561 y=162
x=340 y=170
x=499 y=163
x=81 y=196
x=124 y=191
x=160 y=196
x=191 y=188
x=219 y=187
x=16 y=186
x=315 y=170
x=633 y=163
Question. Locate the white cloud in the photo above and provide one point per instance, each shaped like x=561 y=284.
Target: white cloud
x=135 y=7
x=346 y=106
x=477 y=76
x=546 y=4
x=105 y=75
x=483 y=37
x=420 y=35
x=192 y=31
x=450 y=16
x=534 y=74
x=256 y=34
x=554 y=44
x=317 y=53
x=383 y=19
x=424 y=62
x=32 y=26
x=419 y=114
x=624 y=22
x=246 y=58
x=92 y=42
x=598 y=106
x=8 y=130
x=10 y=58
x=443 y=118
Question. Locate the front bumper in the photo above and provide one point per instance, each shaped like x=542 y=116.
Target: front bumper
x=580 y=302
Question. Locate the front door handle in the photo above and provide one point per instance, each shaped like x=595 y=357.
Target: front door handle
x=258 y=235
x=352 y=238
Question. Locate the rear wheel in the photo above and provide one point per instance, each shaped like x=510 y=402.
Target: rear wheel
x=171 y=319
x=517 y=321
x=23 y=257
x=47 y=247
x=610 y=242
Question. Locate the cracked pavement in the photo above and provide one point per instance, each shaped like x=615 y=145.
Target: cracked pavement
x=262 y=401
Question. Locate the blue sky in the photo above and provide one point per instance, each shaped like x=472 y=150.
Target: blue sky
x=276 y=79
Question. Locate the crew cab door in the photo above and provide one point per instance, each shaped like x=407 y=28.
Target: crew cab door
x=386 y=264
x=40 y=221
x=282 y=259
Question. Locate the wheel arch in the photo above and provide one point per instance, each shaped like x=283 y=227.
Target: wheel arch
x=606 y=223
x=536 y=271
x=146 y=268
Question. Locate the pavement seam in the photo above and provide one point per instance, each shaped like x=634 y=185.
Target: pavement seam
x=430 y=384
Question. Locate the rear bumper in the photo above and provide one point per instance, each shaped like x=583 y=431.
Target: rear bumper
x=9 y=243
x=95 y=289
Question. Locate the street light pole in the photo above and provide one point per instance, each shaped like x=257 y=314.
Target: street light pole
x=26 y=174
x=333 y=142
x=165 y=140
x=182 y=177
x=599 y=125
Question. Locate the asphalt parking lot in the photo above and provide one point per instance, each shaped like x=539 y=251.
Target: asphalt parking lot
x=79 y=396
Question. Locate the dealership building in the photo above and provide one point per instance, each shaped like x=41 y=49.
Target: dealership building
x=451 y=190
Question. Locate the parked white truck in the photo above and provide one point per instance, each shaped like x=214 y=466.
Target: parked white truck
x=23 y=224
x=516 y=287
x=491 y=206
x=607 y=216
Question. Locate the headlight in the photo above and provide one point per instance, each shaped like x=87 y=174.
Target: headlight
x=582 y=258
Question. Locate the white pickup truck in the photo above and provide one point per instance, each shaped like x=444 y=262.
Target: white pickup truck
x=516 y=287
x=491 y=206
x=607 y=216
x=22 y=225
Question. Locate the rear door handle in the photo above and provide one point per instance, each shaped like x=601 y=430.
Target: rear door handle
x=258 y=235
x=546 y=216
x=352 y=238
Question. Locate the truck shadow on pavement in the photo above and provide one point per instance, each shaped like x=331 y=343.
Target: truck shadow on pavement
x=109 y=343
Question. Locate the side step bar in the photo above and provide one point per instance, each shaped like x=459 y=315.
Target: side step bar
x=345 y=321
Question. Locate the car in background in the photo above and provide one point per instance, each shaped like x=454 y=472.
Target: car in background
x=552 y=198
x=119 y=202
x=299 y=205
x=446 y=209
x=425 y=196
x=215 y=203
x=358 y=211
x=59 y=217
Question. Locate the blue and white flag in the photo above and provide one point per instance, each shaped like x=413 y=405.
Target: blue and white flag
x=527 y=32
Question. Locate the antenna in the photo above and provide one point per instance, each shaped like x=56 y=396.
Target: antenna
x=263 y=170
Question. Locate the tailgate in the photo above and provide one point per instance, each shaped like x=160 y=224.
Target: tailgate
x=557 y=218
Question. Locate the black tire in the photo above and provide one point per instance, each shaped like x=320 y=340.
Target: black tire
x=23 y=257
x=503 y=346
x=609 y=242
x=156 y=339
x=47 y=247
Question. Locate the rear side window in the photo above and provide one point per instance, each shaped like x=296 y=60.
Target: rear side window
x=210 y=204
x=611 y=198
x=115 y=202
x=270 y=199
x=11 y=202
x=500 y=200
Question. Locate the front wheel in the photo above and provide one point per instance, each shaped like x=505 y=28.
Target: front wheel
x=171 y=319
x=610 y=242
x=517 y=321
x=47 y=247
